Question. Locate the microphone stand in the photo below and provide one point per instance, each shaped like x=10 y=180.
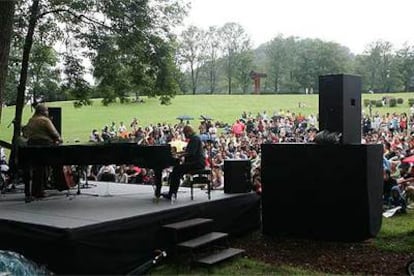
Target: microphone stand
x=210 y=160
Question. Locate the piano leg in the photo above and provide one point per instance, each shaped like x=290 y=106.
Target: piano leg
x=28 y=182
x=157 y=182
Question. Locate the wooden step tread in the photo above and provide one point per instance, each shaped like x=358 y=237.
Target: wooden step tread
x=187 y=223
x=202 y=240
x=220 y=256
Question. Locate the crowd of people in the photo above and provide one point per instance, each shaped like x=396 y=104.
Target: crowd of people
x=242 y=140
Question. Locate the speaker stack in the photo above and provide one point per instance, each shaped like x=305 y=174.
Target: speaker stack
x=330 y=191
x=340 y=106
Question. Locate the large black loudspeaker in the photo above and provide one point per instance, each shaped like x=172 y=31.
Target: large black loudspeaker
x=237 y=176
x=340 y=106
x=327 y=192
x=55 y=115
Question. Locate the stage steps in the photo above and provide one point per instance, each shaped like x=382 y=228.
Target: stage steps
x=188 y=223
x=206 y=247
x=220 y=256
x=203 y=240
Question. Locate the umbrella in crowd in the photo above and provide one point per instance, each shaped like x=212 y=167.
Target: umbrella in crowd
x=205 y=117
x=409 y=159
x=185 y=118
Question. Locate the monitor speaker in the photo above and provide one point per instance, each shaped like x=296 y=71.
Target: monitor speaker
x=55 y=115
x=340 y=106
x=237 y=176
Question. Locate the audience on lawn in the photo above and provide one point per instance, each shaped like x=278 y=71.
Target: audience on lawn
x=242 y=139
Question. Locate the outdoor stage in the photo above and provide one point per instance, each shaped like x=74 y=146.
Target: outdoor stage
x=112 y=228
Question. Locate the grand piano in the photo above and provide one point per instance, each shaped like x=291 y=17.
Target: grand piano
x=157 y=157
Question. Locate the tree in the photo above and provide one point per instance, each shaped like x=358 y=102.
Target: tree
x=377 y=66
x=243 y=67
x=191 y=51
x=278 y=60
x=12 y=82
x=235 y=41
x=44 y=78
x=306 y=67
x=130 y=20
x=112 y=69
x=316 y=57
x=6 y=29
x=28 y=42
x=74 y=83
x=213 y=45
x=165 y=80
x=138 y=28
x=405 y=65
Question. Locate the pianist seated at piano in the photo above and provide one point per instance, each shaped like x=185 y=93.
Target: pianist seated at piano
x=192 y=158
x=40 y=131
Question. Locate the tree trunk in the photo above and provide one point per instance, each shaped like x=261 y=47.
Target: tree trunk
x=6 y=29
x=34 y=10
x=276 y=84
x=212 y=80
x=193 y=81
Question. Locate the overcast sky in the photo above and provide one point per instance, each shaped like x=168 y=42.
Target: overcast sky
x=352 y=23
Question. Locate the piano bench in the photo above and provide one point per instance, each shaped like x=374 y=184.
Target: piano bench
x=196 y=174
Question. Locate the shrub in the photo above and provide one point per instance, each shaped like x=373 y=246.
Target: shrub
x=374 y=102
x=410 y=101
x=366 y=102
x=400 y=101
x=392 y=102
x=378 y=103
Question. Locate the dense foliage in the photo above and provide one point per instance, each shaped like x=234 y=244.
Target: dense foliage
x=115 y=49
x=126 y=46
x=293 y=64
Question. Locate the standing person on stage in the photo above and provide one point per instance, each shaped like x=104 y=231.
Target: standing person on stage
x=40 y=131
x=193 y=159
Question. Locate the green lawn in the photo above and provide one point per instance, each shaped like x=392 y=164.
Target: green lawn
x=238 y=266
x=397 y=233
x=78 y=123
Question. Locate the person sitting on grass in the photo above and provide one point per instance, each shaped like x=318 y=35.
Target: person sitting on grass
x=389 y=183
x=397 y=200
x=95 y=137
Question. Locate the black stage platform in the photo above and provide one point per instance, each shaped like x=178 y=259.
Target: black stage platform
x=111 y=228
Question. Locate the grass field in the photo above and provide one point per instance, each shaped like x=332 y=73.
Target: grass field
x=77 y=123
